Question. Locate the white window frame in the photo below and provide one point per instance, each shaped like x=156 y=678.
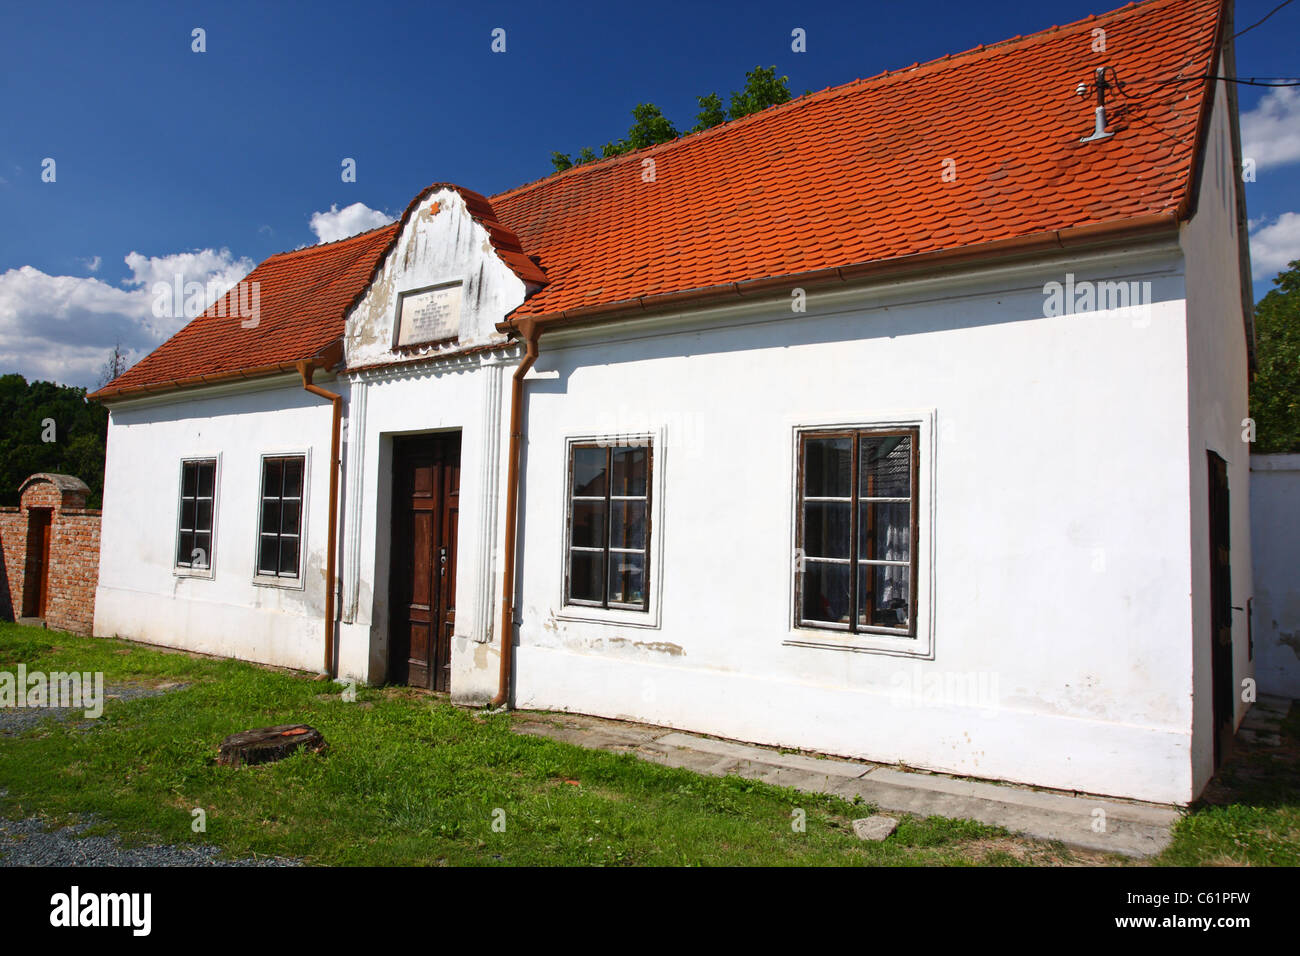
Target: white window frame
x=897 y=645
x=297 y=582
x=180 y=570
x=628 y=617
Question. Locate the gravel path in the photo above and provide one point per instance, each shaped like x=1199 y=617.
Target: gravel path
x=27 y=842
x=16 y=720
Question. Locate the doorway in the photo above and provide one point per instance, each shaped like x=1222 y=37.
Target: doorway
x=422 y=591
x=1221 y=678
x=36 y=576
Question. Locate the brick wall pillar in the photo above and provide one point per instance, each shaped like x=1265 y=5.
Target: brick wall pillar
x=72 y=570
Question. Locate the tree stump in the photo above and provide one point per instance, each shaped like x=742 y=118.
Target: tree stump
x=268 y=744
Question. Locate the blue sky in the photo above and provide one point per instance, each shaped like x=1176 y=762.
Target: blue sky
x=213 y=161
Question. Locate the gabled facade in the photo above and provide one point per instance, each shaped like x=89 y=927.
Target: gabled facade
x=867 y=424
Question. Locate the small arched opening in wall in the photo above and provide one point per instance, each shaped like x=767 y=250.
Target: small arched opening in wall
x=49 y=554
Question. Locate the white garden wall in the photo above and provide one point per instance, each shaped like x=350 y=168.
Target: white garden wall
x=1275 y=539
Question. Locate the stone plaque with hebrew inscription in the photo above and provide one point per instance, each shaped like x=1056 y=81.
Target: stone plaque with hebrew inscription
x=428 y=315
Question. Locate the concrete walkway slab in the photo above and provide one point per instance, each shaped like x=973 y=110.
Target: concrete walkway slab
x=1104 y=824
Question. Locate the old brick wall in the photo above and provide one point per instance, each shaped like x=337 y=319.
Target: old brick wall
x=74 y=570
x=74 y=553
x=13 y=551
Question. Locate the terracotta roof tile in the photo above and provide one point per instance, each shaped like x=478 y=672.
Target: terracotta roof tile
x=853 y=174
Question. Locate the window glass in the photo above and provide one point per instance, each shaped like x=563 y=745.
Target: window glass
x=609 y=525
x=281 y=517
x=194 y=518
x=857 y=531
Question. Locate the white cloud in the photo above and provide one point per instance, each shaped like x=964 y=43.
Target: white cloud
x=339 y=223
x=201 y=265
x=1270 y=133
x=1274 y=244
x=63 y=327
x=92 y=264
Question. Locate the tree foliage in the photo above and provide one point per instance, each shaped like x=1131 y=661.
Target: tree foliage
x=36 y=411
x=712 y=112
x=1275 y=393
x=763 y=88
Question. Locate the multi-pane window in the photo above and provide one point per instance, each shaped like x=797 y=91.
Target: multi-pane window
x=857 y=530
x=280 y=525
x=609 y=525
x=194 y=527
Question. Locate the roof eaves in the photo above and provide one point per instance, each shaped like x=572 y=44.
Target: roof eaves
x=1018 y=246
x=326 y=357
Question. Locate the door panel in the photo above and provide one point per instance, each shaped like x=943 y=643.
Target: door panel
x=36 y=572
x=447 y=563
x=426 y=488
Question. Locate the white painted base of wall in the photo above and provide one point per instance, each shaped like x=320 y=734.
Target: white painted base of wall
x=358 y=660
x=223 y=630
x=1144 y=763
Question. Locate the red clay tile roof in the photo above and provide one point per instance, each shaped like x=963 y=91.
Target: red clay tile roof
x=839 y=179
x=853 y=174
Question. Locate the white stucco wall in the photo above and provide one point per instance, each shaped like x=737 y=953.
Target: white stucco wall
x=1055 y=552
x=1218 y=403
x=141 y=595
x=1275 y=544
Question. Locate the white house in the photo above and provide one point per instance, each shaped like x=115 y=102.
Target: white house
x=902 y=421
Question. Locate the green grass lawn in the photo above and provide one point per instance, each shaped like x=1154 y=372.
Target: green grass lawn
x=410 y=779
x=1250 y=813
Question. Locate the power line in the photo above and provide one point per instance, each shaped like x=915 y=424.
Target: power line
x=1266 y=16
x=1267 y=81
x=1177 y=141
x=1253 y=81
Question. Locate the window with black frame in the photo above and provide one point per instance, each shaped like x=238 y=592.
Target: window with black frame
x=194 y=524
x=609 y=525
x=280 y=521
x=857 y=530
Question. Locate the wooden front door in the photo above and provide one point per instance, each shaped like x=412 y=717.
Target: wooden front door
x=426 y=505
x=1221 y=677
x=36 y=575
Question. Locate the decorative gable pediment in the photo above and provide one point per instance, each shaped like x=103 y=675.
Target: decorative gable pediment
x=452 y=273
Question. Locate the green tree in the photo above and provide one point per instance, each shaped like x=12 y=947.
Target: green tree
x=763 y=88
x=34 y=412
x=649 y=127
x=712 y=112
x=1275 y=393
